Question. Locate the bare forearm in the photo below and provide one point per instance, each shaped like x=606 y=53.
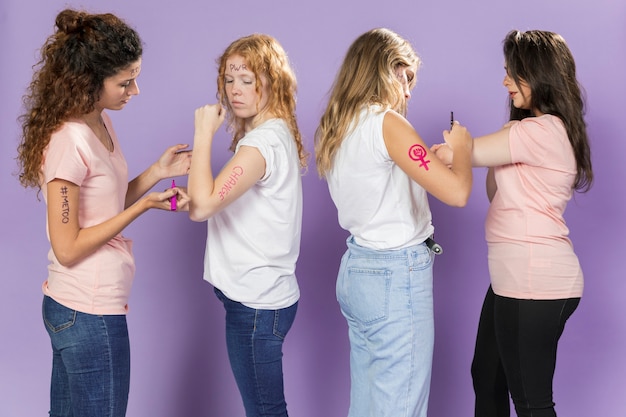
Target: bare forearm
x=201 y=182
x=87 y=240
x=462 y=168
x=141 y=185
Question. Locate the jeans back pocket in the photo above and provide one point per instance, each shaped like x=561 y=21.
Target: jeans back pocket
x=56 y=316
x=367 y=294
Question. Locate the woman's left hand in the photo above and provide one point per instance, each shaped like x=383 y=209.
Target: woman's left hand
x=162 y=200
x=174 y=162
x=182 y=199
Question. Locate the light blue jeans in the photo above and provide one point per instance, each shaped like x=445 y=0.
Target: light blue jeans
x=387 y=299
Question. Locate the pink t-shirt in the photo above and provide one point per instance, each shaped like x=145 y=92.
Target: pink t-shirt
x=100 y=283
x=530 y=253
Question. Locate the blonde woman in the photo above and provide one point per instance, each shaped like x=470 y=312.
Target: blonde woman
x=253 y=209
x=379 y=171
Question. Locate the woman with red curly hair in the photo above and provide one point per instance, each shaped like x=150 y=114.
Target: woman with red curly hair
x=70 y=152
x=253 y=209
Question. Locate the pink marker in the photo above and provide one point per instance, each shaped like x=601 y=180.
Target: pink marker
x=173 y=198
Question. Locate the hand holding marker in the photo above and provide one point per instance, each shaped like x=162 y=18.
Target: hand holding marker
x=173 y=198
x=430 y=242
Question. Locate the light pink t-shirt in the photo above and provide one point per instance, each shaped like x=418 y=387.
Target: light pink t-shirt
x=100 y=283
x=530 y=253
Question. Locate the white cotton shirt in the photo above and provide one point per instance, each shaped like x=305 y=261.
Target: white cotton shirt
x=253 y=244
x=377 y=202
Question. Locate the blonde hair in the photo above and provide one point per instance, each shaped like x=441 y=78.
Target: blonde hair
x=264 y=55
x=366 y=77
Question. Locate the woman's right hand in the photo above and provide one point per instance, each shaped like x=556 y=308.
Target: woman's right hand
x=208 y=119
x=458 y=136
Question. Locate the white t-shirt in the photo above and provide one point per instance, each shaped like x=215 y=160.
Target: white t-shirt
x=377 y=202
x=254 y=243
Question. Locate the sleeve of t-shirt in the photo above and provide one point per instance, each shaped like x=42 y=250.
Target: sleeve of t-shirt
x=530 y=142
x=265 y=141
x=65 y=158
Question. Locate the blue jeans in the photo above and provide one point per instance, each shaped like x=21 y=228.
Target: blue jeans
x=254 y=339
x=387 y=299
x=90 y=362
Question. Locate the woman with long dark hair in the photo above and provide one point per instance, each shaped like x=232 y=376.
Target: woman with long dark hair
x=536 y=163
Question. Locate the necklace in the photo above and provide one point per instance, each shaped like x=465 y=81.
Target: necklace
x=109 y=140
x=102 y=133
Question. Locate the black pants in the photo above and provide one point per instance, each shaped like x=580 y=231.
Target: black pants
x=516 y=352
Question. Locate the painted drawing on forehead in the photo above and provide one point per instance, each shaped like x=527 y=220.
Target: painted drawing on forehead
x=240 y=67
x=418 y=154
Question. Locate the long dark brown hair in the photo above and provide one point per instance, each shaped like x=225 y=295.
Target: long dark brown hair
x=84 y=50
x=543 y=60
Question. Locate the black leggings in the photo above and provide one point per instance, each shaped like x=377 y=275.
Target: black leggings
x=516 y=352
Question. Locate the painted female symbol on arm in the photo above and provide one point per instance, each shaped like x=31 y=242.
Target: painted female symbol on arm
x=418 y=154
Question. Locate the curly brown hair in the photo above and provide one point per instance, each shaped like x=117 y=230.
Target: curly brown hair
x=84 y=50
x=264 y=55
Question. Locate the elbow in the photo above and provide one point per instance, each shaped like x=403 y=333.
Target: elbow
x=195 y=217
x=458 y=198
x=64 y=258
x=462 y=192
x=462 y=198
x=458 y=202
x=196 y=214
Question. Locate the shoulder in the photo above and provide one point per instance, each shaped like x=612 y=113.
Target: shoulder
x=394 y=119
x=270 y=132
x=541 y=125
x=536 y=139
x=396 y=127
x=71 y=133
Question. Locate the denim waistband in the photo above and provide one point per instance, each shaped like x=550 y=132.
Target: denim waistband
x=403 y=253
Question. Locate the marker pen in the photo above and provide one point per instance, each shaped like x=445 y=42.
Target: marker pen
x=173 y=198
x=451 y=119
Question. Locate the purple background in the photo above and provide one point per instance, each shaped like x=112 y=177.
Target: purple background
x=179 y=363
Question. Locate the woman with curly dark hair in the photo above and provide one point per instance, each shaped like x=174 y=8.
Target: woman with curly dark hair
x=70 y=153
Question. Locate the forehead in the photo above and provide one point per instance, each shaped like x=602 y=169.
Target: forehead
x=236 y=64
x=131 y=71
